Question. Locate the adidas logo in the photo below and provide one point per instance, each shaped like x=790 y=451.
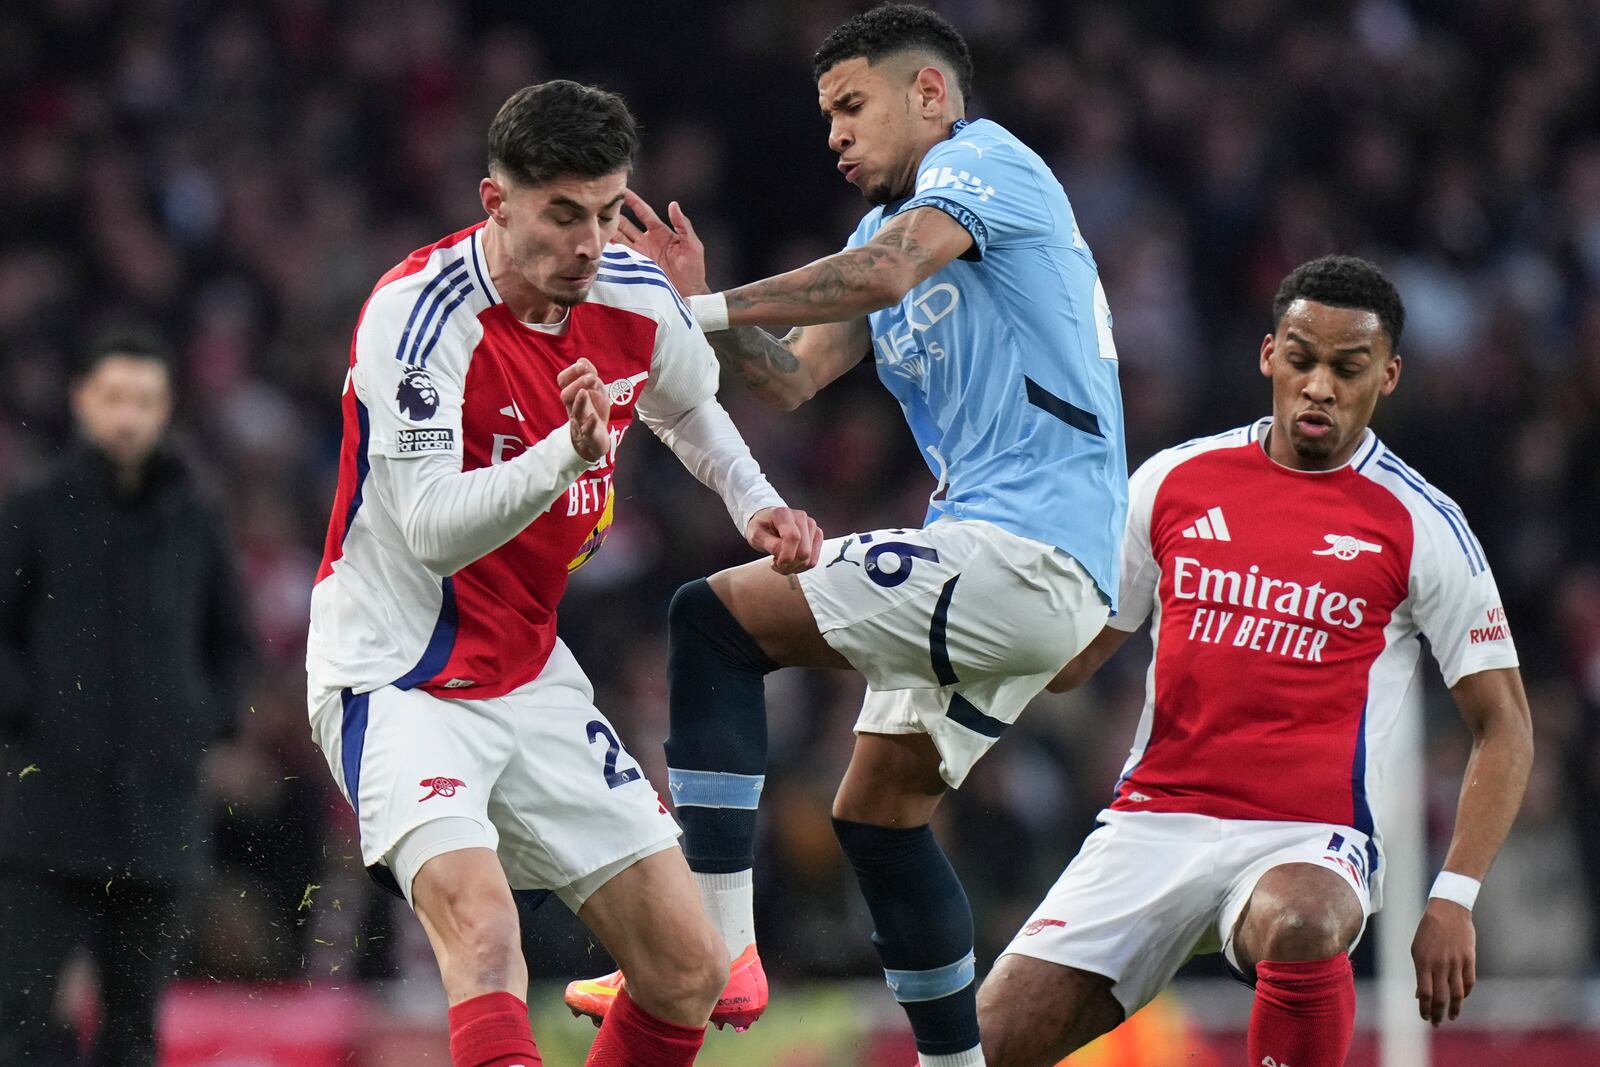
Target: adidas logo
x=511 y=411
x=1209 y=527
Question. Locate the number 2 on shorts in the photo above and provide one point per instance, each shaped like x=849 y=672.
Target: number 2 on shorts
x=614 y=777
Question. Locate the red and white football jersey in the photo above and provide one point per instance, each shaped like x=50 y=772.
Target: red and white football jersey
x=1286 y=607
x=440 y=368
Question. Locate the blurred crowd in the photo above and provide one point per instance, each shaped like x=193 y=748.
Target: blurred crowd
x=237 y=175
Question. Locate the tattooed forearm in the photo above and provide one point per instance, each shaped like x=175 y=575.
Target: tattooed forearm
x=839 y=287
x=763 y=363
x=909 y=249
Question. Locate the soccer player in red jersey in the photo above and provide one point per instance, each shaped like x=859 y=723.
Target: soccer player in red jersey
x=1287 y=568
x=492 y=376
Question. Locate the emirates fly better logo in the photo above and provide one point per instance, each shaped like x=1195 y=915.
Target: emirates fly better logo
x=441 y=787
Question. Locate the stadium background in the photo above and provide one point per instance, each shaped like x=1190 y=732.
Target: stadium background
x=237 y=175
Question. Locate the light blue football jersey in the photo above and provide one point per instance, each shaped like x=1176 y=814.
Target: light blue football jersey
x=1003 y=360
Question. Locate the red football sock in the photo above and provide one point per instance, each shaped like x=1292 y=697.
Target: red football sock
x=1305 y=1013
x=631 y=1037
x=492 y=1031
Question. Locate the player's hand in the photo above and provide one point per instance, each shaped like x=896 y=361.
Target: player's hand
x=588 y=409
x=675 y=248
x=792 y=538
x=1446 y=955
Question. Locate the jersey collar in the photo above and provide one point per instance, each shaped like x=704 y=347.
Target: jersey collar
x=480 y=264
x=1358 y=459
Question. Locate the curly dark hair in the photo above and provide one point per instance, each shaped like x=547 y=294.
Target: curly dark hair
x=559 y=129
x=891 y=28
x=1344 y=282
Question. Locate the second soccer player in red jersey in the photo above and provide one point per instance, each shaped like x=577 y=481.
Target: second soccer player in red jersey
x=1286 y=568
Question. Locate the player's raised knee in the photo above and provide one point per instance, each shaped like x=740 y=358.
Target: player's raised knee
x=1304 y=929
x=697 y=615
x=687 y=610
x=706 y=634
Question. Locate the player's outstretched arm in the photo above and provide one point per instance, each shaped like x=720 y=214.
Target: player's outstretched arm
x=827 y=302
x=785 y=372
x=1085 y=663
x=1495 y=708
x=847 y=285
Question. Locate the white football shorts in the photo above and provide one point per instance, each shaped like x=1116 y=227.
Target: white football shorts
x=1148 y=890
x=537 y=775
x=956 y=627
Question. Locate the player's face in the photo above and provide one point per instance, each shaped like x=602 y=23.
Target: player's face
x=1328 y=367
x=123 y=407
x=875 y=124
x=554 y=232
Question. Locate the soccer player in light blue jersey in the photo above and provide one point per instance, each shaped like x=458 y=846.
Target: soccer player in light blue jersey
x=972 y=289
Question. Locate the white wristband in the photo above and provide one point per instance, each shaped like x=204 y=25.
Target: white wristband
x=710 y=311
x=1456 y=888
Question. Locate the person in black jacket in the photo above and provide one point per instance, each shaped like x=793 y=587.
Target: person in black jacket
x=123 y=637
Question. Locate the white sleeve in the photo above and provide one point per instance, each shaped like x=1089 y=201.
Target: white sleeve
x=680 y=407
x=1136 y=595
x=412 y=398
x=1455 y=600
x=451 y=517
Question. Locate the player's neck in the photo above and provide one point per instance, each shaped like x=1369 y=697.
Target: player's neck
x=521 y=299
x=937 y=134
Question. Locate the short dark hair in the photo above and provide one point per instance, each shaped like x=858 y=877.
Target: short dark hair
x=891 y=28
x=131 y=342
x=1344 y=282
x=561 y=128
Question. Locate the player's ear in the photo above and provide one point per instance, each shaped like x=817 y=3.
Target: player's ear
x=1268 y=345
x=493 y=199
x=931 y=90
x=1391 y=375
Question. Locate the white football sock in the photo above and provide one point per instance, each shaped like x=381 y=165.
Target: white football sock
x=730 y=901
x=973 y=1057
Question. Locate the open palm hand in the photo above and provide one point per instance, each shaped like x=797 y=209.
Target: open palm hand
x=675 y=247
